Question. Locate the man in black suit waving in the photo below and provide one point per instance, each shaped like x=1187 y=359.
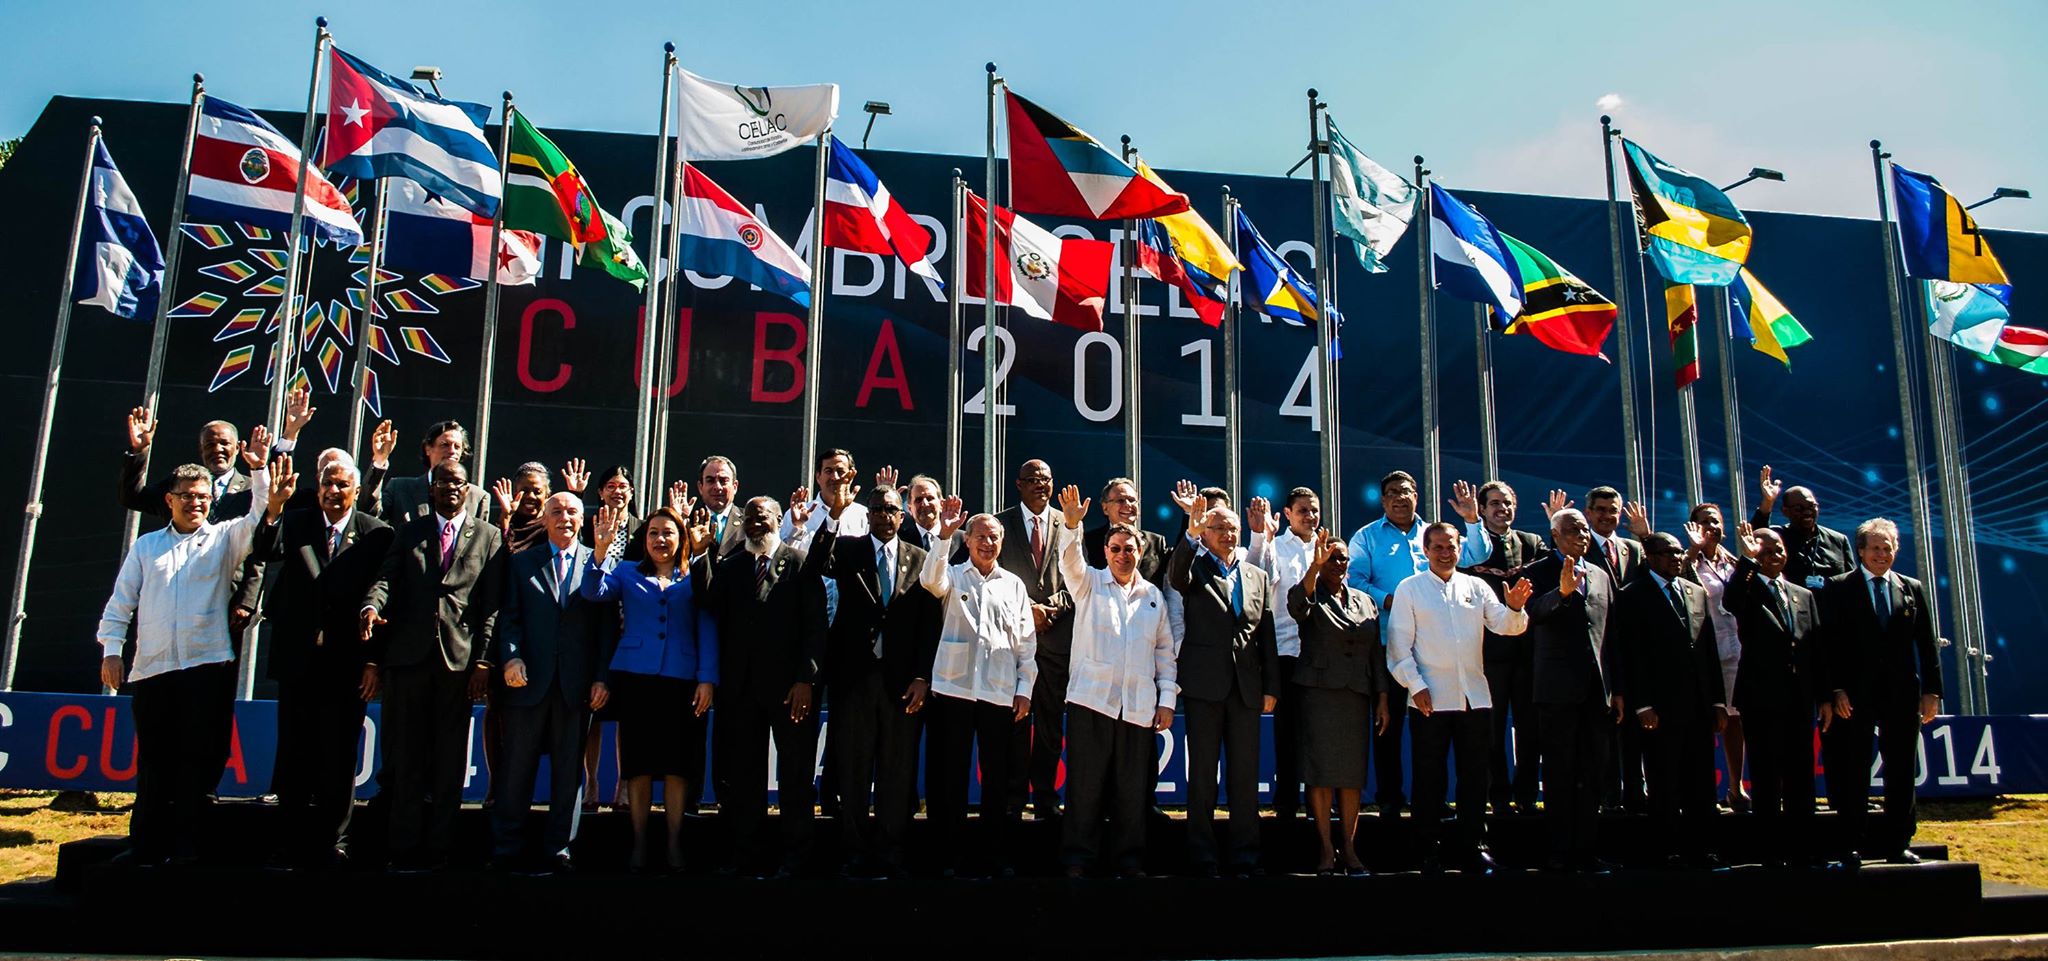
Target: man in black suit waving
x=1881 y=669
x=1032 y=540
x=1774 y=689
x=1577 y=688
x=324 y=560
x=1672 y=681
x=437 y=599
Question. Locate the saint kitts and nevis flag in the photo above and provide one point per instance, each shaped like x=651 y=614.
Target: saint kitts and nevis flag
x=545 y=194
x=1060 y=279
x=1523 y=289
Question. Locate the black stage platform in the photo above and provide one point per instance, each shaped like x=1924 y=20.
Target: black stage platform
x=231 y=905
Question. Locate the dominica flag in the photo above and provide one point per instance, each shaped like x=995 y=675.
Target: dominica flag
x=545 y=193
x=1682 y=318
x=1558 y=309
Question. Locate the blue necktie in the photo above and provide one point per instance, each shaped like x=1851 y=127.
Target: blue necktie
x=1881 y=602
x=887 y=573
x=1236 y=591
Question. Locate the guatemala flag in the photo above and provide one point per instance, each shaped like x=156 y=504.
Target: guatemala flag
x=1471 y=260
x=861 y=214
x=119 y=265
x=721 y=237
x=380 y=126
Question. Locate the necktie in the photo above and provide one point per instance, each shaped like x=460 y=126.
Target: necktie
x=886 y=573
x=1881 y=601
x=1037 y=543
x=760 y=573
x=1613 y=557
x=447 y=546
x=1778 y=598
x=333 y=542
x=718 y=529
x=1236 y=591
x=561 y=577
x=1677 y=598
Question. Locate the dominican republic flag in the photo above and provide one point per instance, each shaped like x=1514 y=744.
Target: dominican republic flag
x=430 y=235
x=723 y=238
x=1471 y=260
x=861 y=214
x=245 y=171
x=381 y=126
x=119 y=265
x=1050 y=278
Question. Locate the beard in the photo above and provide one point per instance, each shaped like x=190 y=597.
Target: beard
x=764 y=545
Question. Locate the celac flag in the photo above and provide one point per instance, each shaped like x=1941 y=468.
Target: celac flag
x=1691 y=230
x=1762 y=320
x=725 y=121
x=119 y=265
x=544 y=193
x=1374 y=205
x=1968 y=315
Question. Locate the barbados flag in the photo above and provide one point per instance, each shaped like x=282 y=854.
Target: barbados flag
x=1270 y=285
x=721 y=237
x=1940 y=238
x=1690 y=228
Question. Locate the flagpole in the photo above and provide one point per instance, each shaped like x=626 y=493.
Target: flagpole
x=34 y=511
x=1233 y=428
x=1688 y=419
x=650 y=312
x=1948 y=457
x=1624 y=355
x=488 y=354
x=288 y=324
x=153 y=379
x=356 y=414
x=954 y=278
x=814 y=336
x=1134 y=421
x=991 y=495
x=1909 y=420
x=1432 y=444
x=1333 y=502
x=1731 y=412
x=670 y=316
x=1489 y=438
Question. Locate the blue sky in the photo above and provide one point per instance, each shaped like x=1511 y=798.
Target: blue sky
x=1499 y=96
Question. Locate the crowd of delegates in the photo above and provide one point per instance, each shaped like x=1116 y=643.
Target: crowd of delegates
x=1591 y=669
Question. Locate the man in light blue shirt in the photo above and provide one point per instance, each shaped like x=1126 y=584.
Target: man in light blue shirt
x=1383 y=554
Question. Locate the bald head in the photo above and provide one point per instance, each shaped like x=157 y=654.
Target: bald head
x=1802 y=509
x=1571 y=533
x=1219 y=532
x=1034 y=485
x=562 y=515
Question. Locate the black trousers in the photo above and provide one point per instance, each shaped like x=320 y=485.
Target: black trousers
x=555 y=727
x=1780 y=740
x=1105 y=755
x=1846 y=751
x=319 y=728
x=1680 y=753
x=1043 y=735
x=1510 y=675
x=184 y=720
x=1468 y=733
x=1287 y=743
x=1621 y=783
x=741 y=730
x=1229 y=729
x=958 y=727
x=1575 y=739
x=426 y=733
x=1388 y=785
x=872 y=742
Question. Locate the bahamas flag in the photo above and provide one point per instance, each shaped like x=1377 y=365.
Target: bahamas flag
x=1770 y=328
x=1690 y=229
x=1270 y=285
x=1940 y=238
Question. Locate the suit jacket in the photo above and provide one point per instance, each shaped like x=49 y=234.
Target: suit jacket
x=1778 y=658
x=1575 y=660
x=1810 y=560
x=1632 y=557
x=401 y=499
x=563 y=639
x=1151 y=560
x=1510 y=554
x=314 y=601
x=1042 y=581
x=1671 y=663
x=1340 y=641
x=909 y=623
x=1220 y=644
x=734 y=538
x=1884 y=669
x=438 y=617
x=771 y=636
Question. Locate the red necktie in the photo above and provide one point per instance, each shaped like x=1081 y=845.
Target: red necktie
x=1613 y=557
x=447 y=546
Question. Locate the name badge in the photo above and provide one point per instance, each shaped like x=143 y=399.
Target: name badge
x=1814 y=582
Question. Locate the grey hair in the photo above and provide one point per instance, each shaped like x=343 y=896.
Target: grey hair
x=1876 y=525
x=773 y=504
x=346 y=465
x=1557 y=520
x=207 y=427
x=916 y=479
x=718 y=459
x=988 y=517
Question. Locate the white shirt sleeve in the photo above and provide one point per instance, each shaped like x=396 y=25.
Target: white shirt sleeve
x=1165 y=663
x=120 y=609
x=937 y=576
x=1074 y=570
x=1401 y=630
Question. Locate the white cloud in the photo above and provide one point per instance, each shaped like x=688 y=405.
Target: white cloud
x=1609 y=102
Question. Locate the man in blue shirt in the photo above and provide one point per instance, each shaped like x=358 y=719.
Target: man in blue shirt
x=1383 y=554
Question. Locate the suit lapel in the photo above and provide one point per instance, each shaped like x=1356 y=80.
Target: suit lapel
x=465 y=543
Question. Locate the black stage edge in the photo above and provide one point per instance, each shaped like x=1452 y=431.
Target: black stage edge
x=231 y=905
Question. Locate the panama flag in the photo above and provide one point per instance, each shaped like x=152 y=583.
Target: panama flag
x=1049 y=277
x=1471 y=260
x=246 y=172
x=119 y=265
x=721 y=237
x=381 y=126
x=861 y=214
x=430 y=235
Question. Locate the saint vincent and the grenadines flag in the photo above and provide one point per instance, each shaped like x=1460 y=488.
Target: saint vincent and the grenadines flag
x=544 y=193
x=1760 y=319
x=1058 y=170
x=1691 y=231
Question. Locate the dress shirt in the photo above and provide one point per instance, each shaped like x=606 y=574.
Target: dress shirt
x=1714 y=575
x=1287 y=558
x=1123 y=664
x=988 y=647
x=1436 y=637
x=336 y=533
x=452 y=537
x=174 y=588
x=886 y=555
x=1600 y=545
x=663 y=631
x=853 y=522
x=1713 y=604
x=1478 y=545
x=1382 y=556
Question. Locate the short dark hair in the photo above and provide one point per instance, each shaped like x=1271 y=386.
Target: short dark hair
x=1495 y=485
x=1395 y=477
x=184 y=473
x=1295 y=495
x=717 y=459
x=532 y=467
x=612 y=473
x=664 y=512
x=1445 y=526
x=878 y=496
x=829 y=453
x=1601 y=493
x=1700 y=508
x=1112 y=482
x=1217 y=494
x=438 y=428
x=1137 y=538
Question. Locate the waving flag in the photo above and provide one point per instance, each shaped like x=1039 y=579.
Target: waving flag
x=1691 y=230
x=1184 y=251
x=1374 y=205
x=545 y=193
x=1270 y=286
x=246 y=172
x=1682 y=319
x=1057 y=169
x=861 y=214
x=1470 y=259
x=1762 y=320
x=428 y=234
x=1968 y=315
x=1051 y=278
x=1558 y=309
x=725 y=121
x=119 y=265
x=2021 y=347
x=381 y=126
x=1940 y=237
x=721 y=237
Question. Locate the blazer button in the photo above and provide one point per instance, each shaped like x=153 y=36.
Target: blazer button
x=663 y=618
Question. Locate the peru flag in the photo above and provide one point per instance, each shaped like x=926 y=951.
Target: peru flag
x=245 y=172
x=861 y=214
x=1049 y=277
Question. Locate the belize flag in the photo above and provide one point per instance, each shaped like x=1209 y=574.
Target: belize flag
x=861 y=214
x=245 y=171
x=381 y=126
x=721 y=237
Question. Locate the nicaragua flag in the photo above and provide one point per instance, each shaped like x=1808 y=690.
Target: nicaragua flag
x=1471 y=260
x=380 y=126
x=119 y=265
x=245 y=171
x=721 y=237
x=861 y=214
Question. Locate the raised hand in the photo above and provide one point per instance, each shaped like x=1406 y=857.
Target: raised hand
x=1746 y=540
x=1465 y=500
x=886 y=477
x=605 y=530
x=141 y=429
x=1769 y=486
x=699 y=531
x=679 y=499
x=838 y=498
x=282 y=484
x=1187 y=497
x=1568 y=580
x=1696 y=534
x=1256 y=514
x=1071 y=505
x=574 y=477
x=1326 y=546
x=298 y=410
x=502 y=491
x=951 y=515
x=1518 y=593
x=383 y=441
x=256 y=450
x=1638 y=519
x=799 y=508
x=1557 y=501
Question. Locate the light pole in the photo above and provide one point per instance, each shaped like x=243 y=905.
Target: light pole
x=1731 y=405
x=874 y=108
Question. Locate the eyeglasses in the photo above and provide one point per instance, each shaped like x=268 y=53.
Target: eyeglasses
x=1121 y=550
x=193 y=497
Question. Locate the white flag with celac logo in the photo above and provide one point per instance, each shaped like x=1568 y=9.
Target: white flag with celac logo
x=1374 y=205
x=724 y=121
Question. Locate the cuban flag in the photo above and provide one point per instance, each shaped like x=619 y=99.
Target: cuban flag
x=1471 y=260
x=245 y=171
x=119 y=265
x=380 y=126
x=430 y=235
x=861 y=214
x=721 y=237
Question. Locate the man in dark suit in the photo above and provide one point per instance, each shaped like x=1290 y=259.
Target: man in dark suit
x=1812 y=553
x=323 y=561
x=1032 y=538
x=1621 y=558
x=554 y=646
x=1576 y=688
x=1495 y=553
x=879 y=658
x=1881 y=669
x=921 y=499
x=1671 y=680
x=1229 y=674
x=717 y=485
x=400 y=499
x=437 y=599
x=1774 y=690
x=770 y=605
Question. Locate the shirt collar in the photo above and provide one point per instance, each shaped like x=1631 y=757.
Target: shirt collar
x=1663 y=583
x=341 y=525
x=1868 y=576
x=456 y=522
x=888 y=545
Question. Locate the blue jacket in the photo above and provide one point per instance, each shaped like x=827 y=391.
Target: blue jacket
x=561 y=644
x=661 y=632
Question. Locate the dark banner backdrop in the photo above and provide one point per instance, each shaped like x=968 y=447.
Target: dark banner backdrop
x=567 y=370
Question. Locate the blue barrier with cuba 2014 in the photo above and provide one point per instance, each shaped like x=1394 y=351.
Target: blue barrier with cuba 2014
x=87 y=743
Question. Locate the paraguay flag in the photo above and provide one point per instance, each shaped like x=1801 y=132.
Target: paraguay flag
x=721 y=237
x=119 y=265
x=861 y=214
x=245 y=171
x=380 y=126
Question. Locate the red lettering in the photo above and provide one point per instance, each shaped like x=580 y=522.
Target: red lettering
x=235 y=760
x=107 y=768
x=886 y=349
x=792 y=356
x=84 y=718
x=679 y=376
x=562 y=369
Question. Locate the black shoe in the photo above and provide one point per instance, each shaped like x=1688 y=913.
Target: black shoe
x=1850 y=861
x=282 y=863
x=1480 y=863
x=1132 y=874
x=504 y=865
x=1904 y=857
x=1245 y=872
x=1710 y=862
x=1076 y=872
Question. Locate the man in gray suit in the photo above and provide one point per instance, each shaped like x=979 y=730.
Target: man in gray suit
x=400 y=499
x=437 y=599
x=1032 y=540
x=718 y=484
x=1577 y=688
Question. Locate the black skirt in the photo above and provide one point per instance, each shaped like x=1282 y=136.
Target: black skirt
x=1331 y=734
x=659 y=735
